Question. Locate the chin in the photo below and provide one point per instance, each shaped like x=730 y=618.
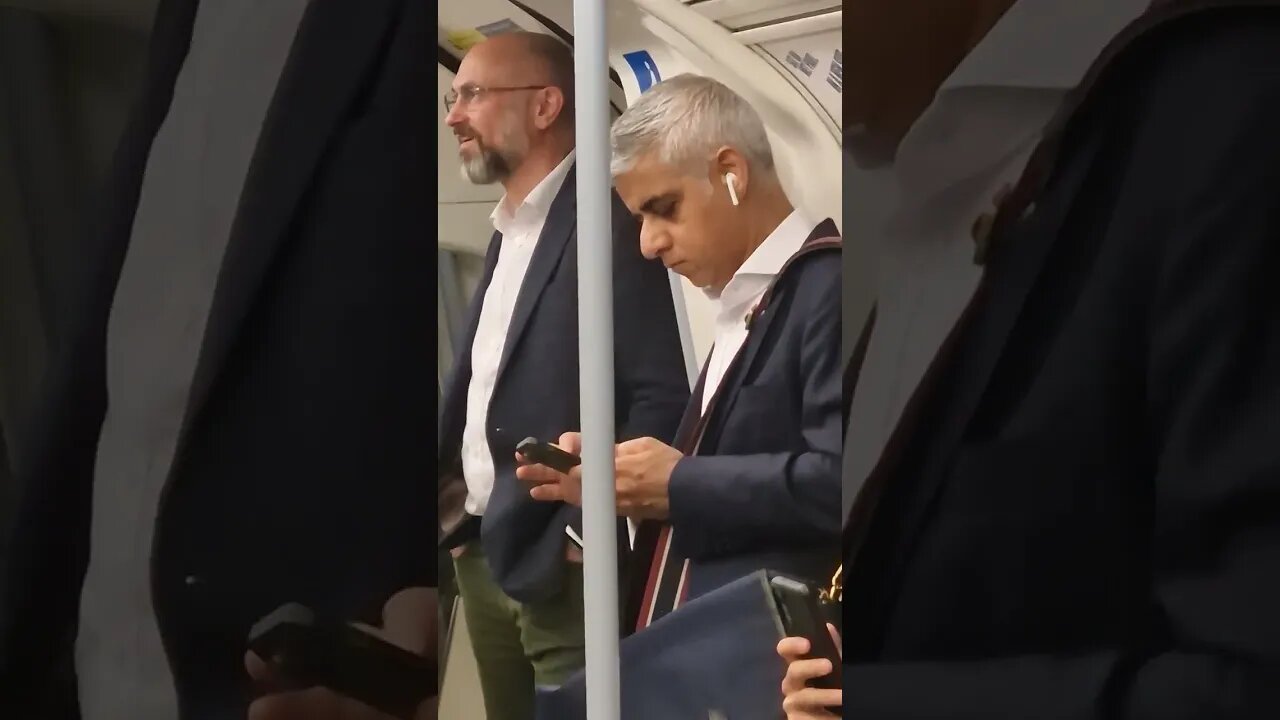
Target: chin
x=694 y=280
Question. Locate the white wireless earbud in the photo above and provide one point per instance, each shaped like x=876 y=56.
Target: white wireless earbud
x=729 y=180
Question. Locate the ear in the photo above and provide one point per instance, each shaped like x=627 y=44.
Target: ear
x=729 y=160
x=549 y=105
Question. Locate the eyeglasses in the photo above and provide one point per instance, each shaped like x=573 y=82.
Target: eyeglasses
x=471 y=93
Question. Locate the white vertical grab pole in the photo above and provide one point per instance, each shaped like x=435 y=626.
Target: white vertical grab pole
x=595 y=356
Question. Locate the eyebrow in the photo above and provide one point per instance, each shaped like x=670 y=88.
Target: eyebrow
x=648 y=206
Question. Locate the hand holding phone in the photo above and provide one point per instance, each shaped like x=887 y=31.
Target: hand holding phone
x=303 y=651
x=798 y=608
x=541 y=453
x=548 y=471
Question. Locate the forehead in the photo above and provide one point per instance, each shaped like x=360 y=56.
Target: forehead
x=646 y=180
x=493 y=63
x=475 y=69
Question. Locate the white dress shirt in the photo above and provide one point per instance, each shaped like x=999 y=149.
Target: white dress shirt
x=745 y=289
x=974 y=139
x=520 y=230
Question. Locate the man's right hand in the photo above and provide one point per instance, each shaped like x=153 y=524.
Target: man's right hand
x=550 y=485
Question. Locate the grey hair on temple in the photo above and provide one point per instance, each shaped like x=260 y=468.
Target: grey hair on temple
x=683 y=121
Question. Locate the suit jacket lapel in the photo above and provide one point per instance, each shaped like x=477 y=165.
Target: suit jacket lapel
x=336 y=48
x=686 y=437
x=732 y=382
x=756 y=338
x=454 y=402
x=1001 y=296
x=92 y=282
x=451 y=486
x=477 y=303
x=561 y=224
x=825 y=229
x=1001 y=299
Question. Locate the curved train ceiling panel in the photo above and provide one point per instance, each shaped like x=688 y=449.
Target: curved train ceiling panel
x=739 y=15
x=803 y=36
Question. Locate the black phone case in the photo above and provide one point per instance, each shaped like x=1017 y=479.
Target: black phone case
x=802 y=615
x=549 y=455
x=305 y=651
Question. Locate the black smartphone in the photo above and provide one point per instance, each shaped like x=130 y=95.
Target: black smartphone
x=797 y=603
x=305 y=651
x=547 y=454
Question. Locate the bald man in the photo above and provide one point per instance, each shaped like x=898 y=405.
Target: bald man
x=519 y=574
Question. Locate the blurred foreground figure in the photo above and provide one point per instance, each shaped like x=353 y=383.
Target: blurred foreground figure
x=1075 y=514
x=239 y=418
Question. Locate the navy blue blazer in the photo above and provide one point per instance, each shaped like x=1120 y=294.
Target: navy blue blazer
x=764 y=489
x=1086 y=522
x=536 y=393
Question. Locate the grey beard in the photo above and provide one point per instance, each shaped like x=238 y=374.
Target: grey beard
x=486 y=167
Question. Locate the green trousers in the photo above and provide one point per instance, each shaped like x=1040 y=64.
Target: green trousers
x=519 y=646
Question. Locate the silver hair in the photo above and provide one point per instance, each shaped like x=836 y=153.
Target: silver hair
x=685 y=119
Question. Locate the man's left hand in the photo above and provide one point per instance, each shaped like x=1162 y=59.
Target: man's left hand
x=799 y=701
x=643 y=468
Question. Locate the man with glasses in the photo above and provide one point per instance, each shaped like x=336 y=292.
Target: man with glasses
x=519 y=574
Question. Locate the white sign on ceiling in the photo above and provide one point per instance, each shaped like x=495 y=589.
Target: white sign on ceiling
x=814 y=60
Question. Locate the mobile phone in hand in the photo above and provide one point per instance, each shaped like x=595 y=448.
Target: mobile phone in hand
x=797 y=604
x=305 y=651
x=541 y=453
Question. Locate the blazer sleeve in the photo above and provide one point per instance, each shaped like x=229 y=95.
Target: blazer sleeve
x=725 y=503
x=1213 y=399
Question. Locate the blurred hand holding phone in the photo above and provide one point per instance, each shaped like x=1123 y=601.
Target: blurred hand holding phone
x=329 y=670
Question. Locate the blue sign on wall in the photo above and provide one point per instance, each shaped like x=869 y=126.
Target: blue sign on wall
x=644 y=67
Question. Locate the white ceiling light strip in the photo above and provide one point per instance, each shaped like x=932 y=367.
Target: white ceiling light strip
x=790 y=29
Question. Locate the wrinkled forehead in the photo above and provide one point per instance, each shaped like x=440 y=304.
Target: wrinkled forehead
x=498 y=64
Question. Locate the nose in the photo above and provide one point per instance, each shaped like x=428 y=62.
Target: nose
x=653 y=242
x=453 y=118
